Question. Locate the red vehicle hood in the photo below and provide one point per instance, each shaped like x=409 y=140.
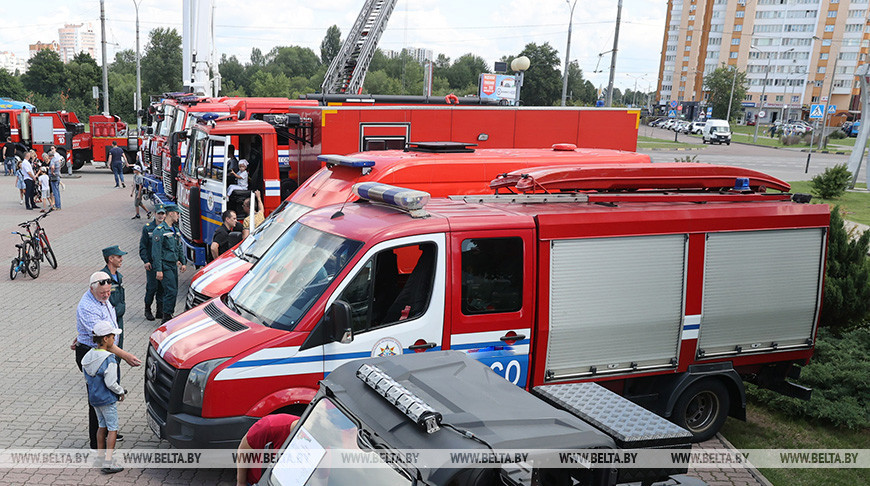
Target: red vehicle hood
x=195 y=336
x=220 y=276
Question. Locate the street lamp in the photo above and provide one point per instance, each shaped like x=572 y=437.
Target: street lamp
x=567 y=52
x=731 y=98
x=138 y=72
x=763 y=88
x=520 y=65
x=634 y=97
x=609 y=99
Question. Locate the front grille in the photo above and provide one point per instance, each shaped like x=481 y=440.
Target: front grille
x=224 y=320
x=159 y=376
x=167 y=183
x=146 y=159
x=194 y=298
x=156 y=165
x=185 y=221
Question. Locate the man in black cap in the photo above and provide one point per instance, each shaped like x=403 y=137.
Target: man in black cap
x=153 y=287
x=114 y=257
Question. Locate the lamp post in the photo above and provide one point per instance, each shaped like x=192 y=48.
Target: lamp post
x=634 y=96
x=609 y=100
x=764 y=88
x=105 y=64
x=138 y=72
x=731 y=98
x=567 y=52
x=520 y=65
x=830 y=91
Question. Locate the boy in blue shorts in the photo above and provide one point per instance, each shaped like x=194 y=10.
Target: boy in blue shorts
x=101 y=375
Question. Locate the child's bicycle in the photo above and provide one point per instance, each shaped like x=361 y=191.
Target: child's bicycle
x=27 y=260
x=40 y=239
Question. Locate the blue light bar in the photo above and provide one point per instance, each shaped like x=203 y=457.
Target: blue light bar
x=209 y=116
x=343 y=160
x=741 y=184
x=399 y=197
x=188 y=99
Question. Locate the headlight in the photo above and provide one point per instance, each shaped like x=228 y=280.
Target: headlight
x=194 y=389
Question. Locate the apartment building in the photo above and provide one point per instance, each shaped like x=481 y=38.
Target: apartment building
x=76 y=38
x=794 y=51
x=39 y=46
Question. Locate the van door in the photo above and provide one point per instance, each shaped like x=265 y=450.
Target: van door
x=492 y=299
x=213 y=186
x=396 y=294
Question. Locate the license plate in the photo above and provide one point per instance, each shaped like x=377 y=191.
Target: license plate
x=155 y=427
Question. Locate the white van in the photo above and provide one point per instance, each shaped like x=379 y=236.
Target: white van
x=718 y=131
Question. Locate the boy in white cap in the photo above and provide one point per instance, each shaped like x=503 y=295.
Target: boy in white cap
x=100 y=368
x=138 y=191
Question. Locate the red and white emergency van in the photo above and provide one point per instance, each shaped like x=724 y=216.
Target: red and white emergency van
x=671 y=294
x=441 y=169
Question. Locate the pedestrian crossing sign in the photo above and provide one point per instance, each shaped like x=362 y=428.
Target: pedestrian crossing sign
x=672 y=113
x=832 y=109
x=817 y=111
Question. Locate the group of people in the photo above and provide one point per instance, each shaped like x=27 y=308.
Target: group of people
x=37 y=180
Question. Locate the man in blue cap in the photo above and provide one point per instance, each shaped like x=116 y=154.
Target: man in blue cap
x=114 y=257
x=167 y=255
x=152 y=287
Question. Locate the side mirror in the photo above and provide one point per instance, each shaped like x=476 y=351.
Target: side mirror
x=338 y=317
x=200 y=172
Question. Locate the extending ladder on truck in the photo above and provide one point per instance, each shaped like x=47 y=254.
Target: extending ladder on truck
x=347 y=72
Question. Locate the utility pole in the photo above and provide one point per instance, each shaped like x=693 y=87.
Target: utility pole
x=731 y=98
x=105 y=63
x=138 y=72
x=609 y=100
x=567 y=53
x=825 y=114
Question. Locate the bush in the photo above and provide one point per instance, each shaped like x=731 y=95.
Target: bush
x=792 y=140
x=833 y=182
x=847 y=278
x=838 y=375
x=837 y=134
x=687 y=158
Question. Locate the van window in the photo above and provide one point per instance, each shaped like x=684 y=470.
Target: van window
x=492 y=275
x=393 y=286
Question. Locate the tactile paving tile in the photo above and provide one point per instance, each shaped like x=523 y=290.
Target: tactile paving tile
x=628 y=423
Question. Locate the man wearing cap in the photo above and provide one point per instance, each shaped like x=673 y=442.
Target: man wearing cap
x=167 y=254
x=114 y=257
x=137 y=192
x=153 y=286
x=94 y=307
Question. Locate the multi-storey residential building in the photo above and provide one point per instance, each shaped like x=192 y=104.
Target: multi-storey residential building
x=75 y=39
x=39 y=46
x=11 y=63
x=794 y=51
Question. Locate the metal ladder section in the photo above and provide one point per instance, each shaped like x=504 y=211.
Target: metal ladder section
x=347 y=72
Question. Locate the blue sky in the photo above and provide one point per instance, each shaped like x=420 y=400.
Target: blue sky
x=487 y=28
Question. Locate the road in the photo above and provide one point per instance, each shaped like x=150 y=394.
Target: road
x=787 y=164
x=44 y=404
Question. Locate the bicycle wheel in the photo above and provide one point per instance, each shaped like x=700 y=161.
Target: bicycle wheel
x=46 y=249
x=13 y=270
x=32 y=265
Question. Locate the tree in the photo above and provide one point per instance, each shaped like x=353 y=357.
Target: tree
x=162 y=63
x=266 y=84
x=10 y=86
x=577 y=90
x=124 y=63
x=82 y=74
x=45 y=73
x=465 y=73
x=330 y=45
x=542 y=83
x=292 y=61
x=719 y=83
x=847 y=278
x=234 y=76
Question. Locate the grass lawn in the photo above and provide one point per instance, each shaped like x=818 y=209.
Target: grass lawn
x=764 y=429
x=745 y=134
x=855 y=205
x=662 y=143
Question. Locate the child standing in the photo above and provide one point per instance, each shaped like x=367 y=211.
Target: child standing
x=19 y=182
x=137 y=192
x=44 y=187
x=100 y=368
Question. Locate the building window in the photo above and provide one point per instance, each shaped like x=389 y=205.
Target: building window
x=821 y=69
x=829 y=28
x=779 y=98
x=823 y=55
x=826 y=42
x=733 y=55
x=738 y=27
x=795 y=99
x=815 y=99
x=748 y=97
x=832 y=14
x=735 y=41
x=688 y=48
x=739 y=14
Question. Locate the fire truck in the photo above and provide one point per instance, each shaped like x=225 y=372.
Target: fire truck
x=309 y=131
x=440 y=168
x=95 y=145
x=664 y=283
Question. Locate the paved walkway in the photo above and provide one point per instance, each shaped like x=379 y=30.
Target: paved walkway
x=43 y=403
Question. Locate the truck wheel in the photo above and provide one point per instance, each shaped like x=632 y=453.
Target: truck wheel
x=702 y=409
x=80 y=158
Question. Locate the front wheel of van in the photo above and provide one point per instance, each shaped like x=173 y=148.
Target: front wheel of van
x=702 y=409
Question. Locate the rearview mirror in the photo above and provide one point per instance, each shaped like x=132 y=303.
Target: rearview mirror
x=338 y=317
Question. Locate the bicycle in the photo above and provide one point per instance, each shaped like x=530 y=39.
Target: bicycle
x=27 y=260
x=40 y=239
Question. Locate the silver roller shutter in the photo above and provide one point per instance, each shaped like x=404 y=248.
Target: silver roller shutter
x=760 y=288
x=615 y=304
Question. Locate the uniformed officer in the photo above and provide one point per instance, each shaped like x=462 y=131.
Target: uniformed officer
x=167 y=254
x=153 y=286
x=114 y=256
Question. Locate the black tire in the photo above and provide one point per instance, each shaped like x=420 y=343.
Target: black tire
x=32 y=266
x=13 y=270
x=48 y=251
x=80 y=158
x=702 y=409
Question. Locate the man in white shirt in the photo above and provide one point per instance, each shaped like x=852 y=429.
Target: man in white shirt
x=29 y=178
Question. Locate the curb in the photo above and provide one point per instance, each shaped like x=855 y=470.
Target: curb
x=749 y=467
x=681 y=149
x=838 y=152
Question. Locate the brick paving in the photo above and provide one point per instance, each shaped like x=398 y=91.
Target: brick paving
x=43 y=403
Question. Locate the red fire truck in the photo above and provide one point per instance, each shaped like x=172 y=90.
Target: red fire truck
x=662 y=282
x=95 y=145
x=441 y=169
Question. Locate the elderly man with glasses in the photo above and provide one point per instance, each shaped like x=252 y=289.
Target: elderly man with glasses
x=94 y=307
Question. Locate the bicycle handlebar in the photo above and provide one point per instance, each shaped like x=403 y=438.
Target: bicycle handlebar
x=36 y=219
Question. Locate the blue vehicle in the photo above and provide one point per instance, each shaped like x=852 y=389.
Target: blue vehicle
x=853 y=132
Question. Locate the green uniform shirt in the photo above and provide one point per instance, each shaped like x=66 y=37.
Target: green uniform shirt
x=145 y=241
x=166 y=247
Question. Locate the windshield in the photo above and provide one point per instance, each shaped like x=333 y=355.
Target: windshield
x=265 y=235
x=305 y=461
x=168 y=119
x=720 y=129
x=195 y=152
x=291 y=276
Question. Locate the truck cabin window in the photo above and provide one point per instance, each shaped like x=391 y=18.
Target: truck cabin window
x=393 y=286
x=492 y=275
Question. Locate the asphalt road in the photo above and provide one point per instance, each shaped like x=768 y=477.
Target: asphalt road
x=786 y=163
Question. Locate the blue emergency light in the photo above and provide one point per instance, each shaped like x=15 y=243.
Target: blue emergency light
x=345 y=161
x=399 y=197
x=741 y=184
x=188 y=99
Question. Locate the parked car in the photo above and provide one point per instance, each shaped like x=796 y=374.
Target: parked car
x=853 y=132
x=846 y=127
x=668 y=124
x=697 y=127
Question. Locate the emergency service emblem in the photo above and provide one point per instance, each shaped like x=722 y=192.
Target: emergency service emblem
x=210 y=201
x=387 y=347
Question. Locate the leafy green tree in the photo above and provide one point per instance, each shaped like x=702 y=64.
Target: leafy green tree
x=719 y=83
x=266 y=84
x=11 y=86
x=82 y=74
x=330 y=45
x=234 y=76
x=465 y=73
x=162 y=62
x=542 y=83
x=45 y=74
x=379 y=82
x=292 y=61
x=125 y=62
x=847 y=278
